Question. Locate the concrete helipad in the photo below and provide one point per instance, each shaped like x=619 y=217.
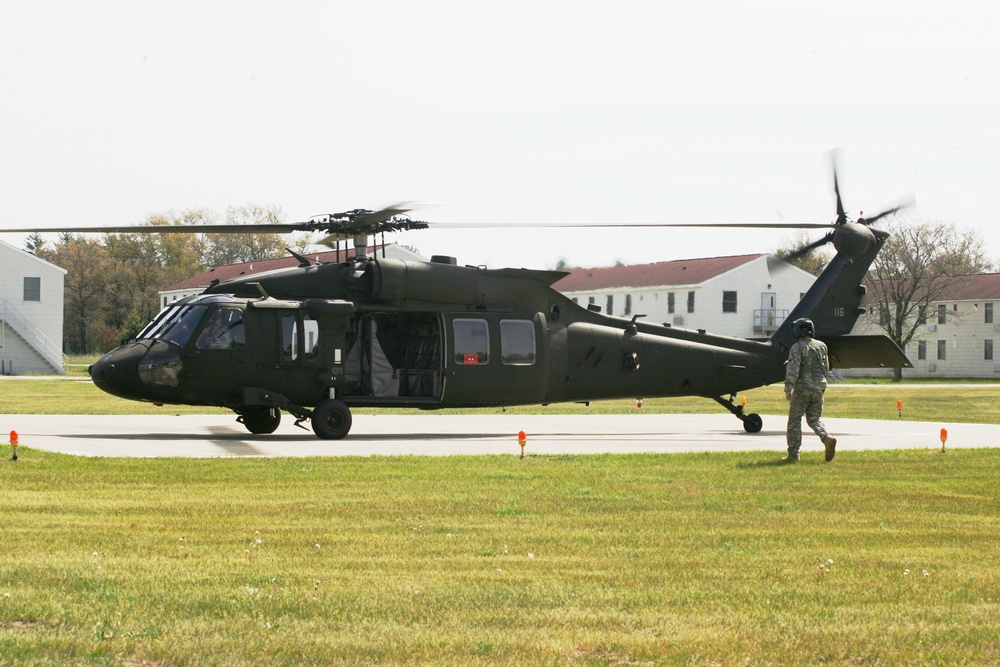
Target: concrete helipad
x=440 y=435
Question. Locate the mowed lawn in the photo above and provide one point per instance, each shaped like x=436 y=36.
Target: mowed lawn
x=879 y=558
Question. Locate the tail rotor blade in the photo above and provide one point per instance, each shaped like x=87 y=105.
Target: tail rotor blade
x=841 y=215
x=806 y=249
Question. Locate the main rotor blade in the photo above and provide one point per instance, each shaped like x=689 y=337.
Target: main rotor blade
x=266 y=228
x=287 y=228
x=613 y=225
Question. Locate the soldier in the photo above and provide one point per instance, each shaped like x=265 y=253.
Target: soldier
x=805 y=382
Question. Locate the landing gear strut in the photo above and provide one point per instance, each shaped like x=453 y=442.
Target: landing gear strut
x=752 y=423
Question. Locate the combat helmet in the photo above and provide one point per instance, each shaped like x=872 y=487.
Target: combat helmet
x=803 y=327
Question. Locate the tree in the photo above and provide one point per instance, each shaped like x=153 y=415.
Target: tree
x=143 y=263
x=35 y=244
x=88 y=267
x=923 y=262
x=813 y=261
x=222 y=249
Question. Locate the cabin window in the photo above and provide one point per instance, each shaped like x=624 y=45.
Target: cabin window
x=517 y=342
x=922 y=350
x=729 y=301
x=988 y=313
x=224 y=331
x=988 y=349
x=472 y=342
x=942 y=350
x=32 y=289
x=690 y=302
x=290 y=342
x=289 y=338
x=310 y=330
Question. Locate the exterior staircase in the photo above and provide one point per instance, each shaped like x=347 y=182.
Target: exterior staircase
x=13 y=322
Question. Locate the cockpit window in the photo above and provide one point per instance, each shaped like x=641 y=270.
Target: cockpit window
x=175 y=324
x=224 y=331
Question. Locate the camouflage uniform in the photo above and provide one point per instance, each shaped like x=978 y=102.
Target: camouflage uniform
x=805 y=382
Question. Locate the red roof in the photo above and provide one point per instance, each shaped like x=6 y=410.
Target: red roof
x=978 y=287
x=985 y=286
x=230 y=271
x=676 y=272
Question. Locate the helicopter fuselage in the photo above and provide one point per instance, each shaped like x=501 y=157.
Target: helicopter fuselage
x=317 y=340
x=416 y=334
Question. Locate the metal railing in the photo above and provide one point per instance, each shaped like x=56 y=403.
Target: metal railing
x=11 y=318
x=767 y=320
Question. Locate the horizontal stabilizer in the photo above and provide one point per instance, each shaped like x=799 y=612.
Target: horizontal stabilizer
x=865 y=352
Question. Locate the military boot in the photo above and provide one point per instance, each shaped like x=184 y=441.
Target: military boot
x=830 y=443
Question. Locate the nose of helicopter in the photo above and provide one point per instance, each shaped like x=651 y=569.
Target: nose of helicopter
x=117 y=372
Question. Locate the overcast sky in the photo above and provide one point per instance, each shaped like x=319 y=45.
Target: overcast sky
x=503 y=112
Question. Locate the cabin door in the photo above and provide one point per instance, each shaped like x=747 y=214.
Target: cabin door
x=394 y=355
x=496 y=360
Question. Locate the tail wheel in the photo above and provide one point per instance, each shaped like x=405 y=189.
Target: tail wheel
x=260 y=421
x=331 y=419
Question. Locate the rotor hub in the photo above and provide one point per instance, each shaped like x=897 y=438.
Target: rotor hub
x=853 y=238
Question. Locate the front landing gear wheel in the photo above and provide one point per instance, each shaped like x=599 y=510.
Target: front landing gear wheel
x=331 y=419
x=752 y=423
x=260 y=421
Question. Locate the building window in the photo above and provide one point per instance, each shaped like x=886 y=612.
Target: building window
x=942 y=314
x=611 y=304
x=628 y=304
x=670 y=302
x=729 y=302
x=922 y=315
x=590 y=301
x=32 y=289
x=942 y=350
x=988 y=313
x=690 y=302
x=922 y=350
x=988 y=349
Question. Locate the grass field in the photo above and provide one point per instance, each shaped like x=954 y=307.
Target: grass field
x=882 y=558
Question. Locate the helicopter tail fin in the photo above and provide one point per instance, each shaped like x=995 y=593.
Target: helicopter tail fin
x=833 y=303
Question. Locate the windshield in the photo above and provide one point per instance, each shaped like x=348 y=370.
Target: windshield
x=175 y=324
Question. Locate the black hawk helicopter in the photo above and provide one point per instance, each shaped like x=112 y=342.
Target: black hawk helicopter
x=319 y=339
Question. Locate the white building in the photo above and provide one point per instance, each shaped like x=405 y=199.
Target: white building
x=747 y=296
x=31 y=313
x=956 y=338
